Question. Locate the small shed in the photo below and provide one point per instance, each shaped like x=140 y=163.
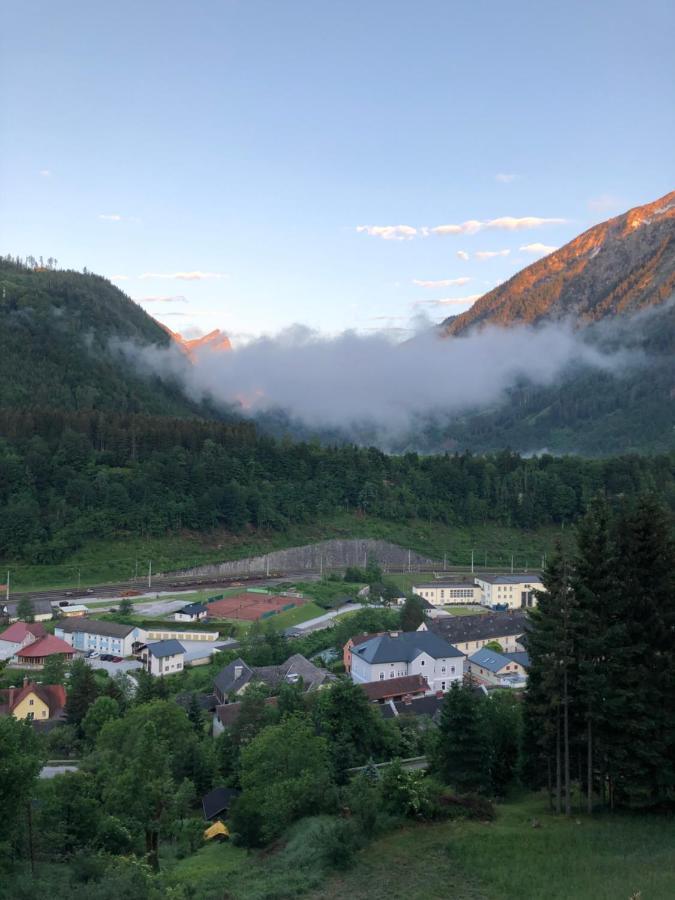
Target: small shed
x=217 y=802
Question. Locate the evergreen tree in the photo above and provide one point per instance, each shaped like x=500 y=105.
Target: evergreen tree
x=82 y=692
x=412 y=614
x=462 y=747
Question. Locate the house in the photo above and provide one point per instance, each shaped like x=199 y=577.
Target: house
x=396 y=654
x=227 y=714
x=414 y=706
x=217 y=802
x=444 y=593
x=470 y=633
x=18 y=636
x=42 y=610
x=407 y=686
x=164 y=657
x=193 y=612
x=509 y=591
x=104 y=637
x=33 y=702
x=235 y=678
x=35 y=654
x=503 y=669
x=352 y=642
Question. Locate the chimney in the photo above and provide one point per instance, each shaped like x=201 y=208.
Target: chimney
x=12 y=689
x=393 y=634
x=25 y=680
x=237 y=671
x=439 y=695
x=407 y=699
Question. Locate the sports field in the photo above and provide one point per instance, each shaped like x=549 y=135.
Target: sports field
x=251 y=606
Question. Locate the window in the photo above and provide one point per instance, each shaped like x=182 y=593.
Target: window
x=442 y=668
x=381 y=676
x=392 y=674
x=442 y=685
x=452 y=670
x=31 y=702
x=30 y=716
x=422 y=662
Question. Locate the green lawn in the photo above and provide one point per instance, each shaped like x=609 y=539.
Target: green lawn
x=604 y=858
x=123 y=558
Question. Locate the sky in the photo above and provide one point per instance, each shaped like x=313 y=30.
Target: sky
x=251 y=164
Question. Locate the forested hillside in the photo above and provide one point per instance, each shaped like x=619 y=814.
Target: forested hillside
x=57 y=335
x=69 y=477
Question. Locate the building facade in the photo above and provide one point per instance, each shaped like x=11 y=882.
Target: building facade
x=397 y=654
x=446 y=593
x=104 y=637
x=164 y=657
x=509 y=591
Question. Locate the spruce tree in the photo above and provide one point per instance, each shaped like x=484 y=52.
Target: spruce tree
x=462 y=745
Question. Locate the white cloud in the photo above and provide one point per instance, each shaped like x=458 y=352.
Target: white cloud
x=505 y=178
x=119 y=277
x=184 y=276
x=462 y=254
x=538 y=249
x=510 y=223
x=389 y=232
x=469 y=227
x=490 y=254
x=443 y=282
x=449 y=301
x=172 y=298
x=110 y=217
x=45 y=173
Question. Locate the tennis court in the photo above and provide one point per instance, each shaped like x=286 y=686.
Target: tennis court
x=250 y=606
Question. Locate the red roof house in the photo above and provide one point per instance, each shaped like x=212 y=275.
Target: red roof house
x=35 y=654
x=396 y=688
x=52 y=697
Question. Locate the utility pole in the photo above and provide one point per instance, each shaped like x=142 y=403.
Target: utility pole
x=409 y=554
x=512 y=563
x=7 y=586
x=267 y=565
x=150 y=573
x=445 y=555
x=79 y=578
x=320 y=565
x=472 y=562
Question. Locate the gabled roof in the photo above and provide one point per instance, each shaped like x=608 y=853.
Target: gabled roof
x=54 y=695
x=218 y=801
x=481 y=627
x=521 y=657
x=228 y=680
x=17 y=632
x=395 y=687
x=95 y=626
x=45 y=646
x=170 y=647
x=228 y=713
x=527 y=578
x=40 y=607
x=193 y=609
x=417 y=706
x=490 y=659
x=362 y=638
x=404 y=646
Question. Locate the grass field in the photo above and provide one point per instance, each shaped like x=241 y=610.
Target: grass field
x=123 y=558
x=603 y=858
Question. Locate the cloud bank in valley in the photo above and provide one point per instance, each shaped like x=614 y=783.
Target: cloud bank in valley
x=356 y=381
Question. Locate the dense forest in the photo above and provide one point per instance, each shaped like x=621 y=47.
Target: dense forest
x=67 y=477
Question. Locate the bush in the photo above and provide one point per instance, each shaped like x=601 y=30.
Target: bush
x=466 y=806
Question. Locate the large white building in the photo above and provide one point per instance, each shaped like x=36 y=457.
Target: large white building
x=444 y=593
x=509 y=591
x=104 y=637
x=396 y=654
x=164 y=657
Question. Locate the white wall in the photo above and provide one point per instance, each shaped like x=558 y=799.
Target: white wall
x=439 y=673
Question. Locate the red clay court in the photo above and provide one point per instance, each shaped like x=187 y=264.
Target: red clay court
x=250 y=606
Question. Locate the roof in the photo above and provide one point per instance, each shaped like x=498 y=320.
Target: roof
x=228 y=713
x=417 y=706
x=204 y=701
x=296 y=667
x=481 y=627
x=170 y=647
x=96 y=626
x=54 y=695
x=218 y=801
x=395 y=687
x=17 y=632
x=404 y=646
x=362 y=638
x=216 y=830
x=227 y=680
x=521 y=658
x=193 y=609
x=45 y=646
x=527 y=578
x=493 y=661
x=40 y=607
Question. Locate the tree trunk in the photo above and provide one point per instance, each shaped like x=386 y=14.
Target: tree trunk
x=558 y=770
x=589 y=767
x=566 y=744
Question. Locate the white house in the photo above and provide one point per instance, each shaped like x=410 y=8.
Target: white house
x=164 y=657
x=105 y=637
x=443 y=593
x=18 y=636
x=509 y=591
x=193 y=612
x=396 y=654
x=503 y=669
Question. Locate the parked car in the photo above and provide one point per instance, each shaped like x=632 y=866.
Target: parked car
x=116 y=659
x=106 y=657
x=92 y=654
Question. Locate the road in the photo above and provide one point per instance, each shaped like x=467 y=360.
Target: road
x=323 y=621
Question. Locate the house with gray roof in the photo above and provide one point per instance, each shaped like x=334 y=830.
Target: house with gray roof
x=193 y=612
x=400 y=653
x=105 y=637
x=509 y=591
x=504 y=669
x=471 y=633
x=164 y=657
x=235 y=677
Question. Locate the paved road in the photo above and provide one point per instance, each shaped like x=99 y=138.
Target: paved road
x=323 y=621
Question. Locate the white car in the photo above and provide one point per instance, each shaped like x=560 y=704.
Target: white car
x=93 y=654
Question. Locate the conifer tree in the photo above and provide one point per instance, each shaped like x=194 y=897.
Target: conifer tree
x=462 y=749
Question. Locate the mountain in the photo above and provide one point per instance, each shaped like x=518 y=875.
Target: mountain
x=215 y=341
x=59 y=331
x=621 y=266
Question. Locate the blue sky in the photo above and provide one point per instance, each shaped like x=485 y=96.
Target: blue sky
x=240 y=144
